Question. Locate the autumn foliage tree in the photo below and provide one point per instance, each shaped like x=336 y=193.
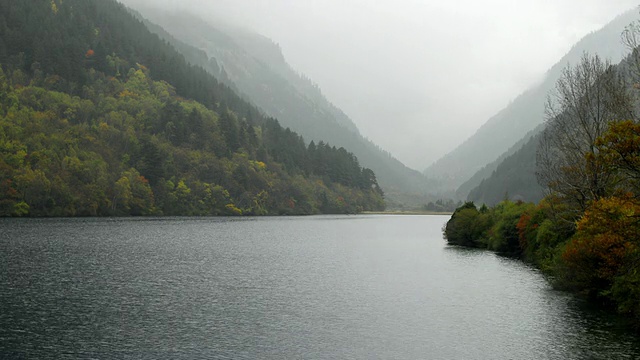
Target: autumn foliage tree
x=585 y=233
x=607 y=236
x=588 y=97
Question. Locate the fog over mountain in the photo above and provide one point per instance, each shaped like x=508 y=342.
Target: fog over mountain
x=417 y=77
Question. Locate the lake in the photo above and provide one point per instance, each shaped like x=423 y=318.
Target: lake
x=322 y=287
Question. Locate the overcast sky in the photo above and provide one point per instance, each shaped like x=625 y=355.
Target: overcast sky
x=418 y=77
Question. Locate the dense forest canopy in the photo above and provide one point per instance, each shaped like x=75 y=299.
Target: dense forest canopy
x=98 y=116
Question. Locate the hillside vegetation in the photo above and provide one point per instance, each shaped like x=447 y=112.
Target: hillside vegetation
x=256 y=67
x=98 y=116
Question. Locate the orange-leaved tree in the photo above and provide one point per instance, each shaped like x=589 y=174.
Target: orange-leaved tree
x=607 y=237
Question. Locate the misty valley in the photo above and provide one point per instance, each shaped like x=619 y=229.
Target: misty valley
x=174 y=185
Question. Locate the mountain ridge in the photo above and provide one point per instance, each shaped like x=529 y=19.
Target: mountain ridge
x=515 y=171
x=525 y=112
x=288 y=95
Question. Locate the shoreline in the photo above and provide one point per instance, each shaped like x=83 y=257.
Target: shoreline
x=406 y=212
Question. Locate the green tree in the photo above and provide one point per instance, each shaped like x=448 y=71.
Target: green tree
x=467 y=226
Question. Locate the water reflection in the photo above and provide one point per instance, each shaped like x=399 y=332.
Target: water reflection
x=562 y=326
x=326 y=287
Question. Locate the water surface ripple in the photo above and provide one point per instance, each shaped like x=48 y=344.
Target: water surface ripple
x=325 y=287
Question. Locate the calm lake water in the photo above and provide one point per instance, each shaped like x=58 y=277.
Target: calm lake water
x=327 y=287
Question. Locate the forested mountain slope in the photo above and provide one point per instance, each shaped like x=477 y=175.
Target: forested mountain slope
x=514 y=178
x=526 y=112
x=463 y=191
x=584 y=233
x=515 y=175
x=256 y=67
x=98 y=116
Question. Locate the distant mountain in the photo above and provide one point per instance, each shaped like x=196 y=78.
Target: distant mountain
x=525 y=113
x=463 y=191
x=515 y=171
x=514 y=178
x=255 y=66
